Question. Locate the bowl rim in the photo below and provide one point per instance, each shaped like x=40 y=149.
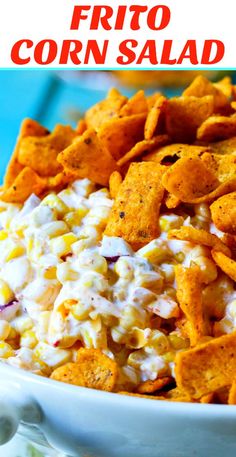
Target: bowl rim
x=182 y=408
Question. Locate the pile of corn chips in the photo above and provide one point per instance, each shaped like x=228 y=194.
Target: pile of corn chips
x=153 y=153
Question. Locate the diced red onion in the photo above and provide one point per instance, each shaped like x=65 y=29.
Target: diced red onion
x=8 y=311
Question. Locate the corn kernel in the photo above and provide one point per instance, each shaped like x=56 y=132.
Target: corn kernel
x=169 y=357
x=177 y=342
x=28 y=339
x=22 y=323
x=92 y=261
x=54 y=229
x=170 y=221
x=6 y=350
x=61 y=245
x=136 y=339
x=55 y=203
x=6 y=294
x=53 y=357
x=155 y=252
x=50 y=272
x=80 y=311
x=179 y=257
x=159 y=341
x=14 y=251
x=3 y=235
x=66 y=273
x=74 y=218
x=5 y=329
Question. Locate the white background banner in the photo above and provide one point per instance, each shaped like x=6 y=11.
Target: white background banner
x=195 y=34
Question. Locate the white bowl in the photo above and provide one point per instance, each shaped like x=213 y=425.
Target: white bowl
x=89 y=423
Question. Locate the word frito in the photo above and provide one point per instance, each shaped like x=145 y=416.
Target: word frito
x=121 y=40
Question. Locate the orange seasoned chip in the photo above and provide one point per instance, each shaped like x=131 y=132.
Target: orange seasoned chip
x=143 y=147
x=120 y=135
x=135 y=105
x=208 y=367
x=185 y=114
x=227 y=265
x=88 y=157
x=155 y=118
x=26 y=183
x=201 y=86
x=199 y=236
x=114 y=183
x=223 y=212
x=224 y=147
x=29 y=127
x=189 y=295
x=81 y=127
x=148 y=397
x=225 y=86
x=223 y=166
x=177 y=395
x=208 y=398
x=40 y=153
x=171 y=201
x=148 y=387
x=224 y=188
x=217 y=128
x=189 y=179
x=168 y=155
x=151 y=99
x=135 y=213
x=232 y=393
x=92 y=369
x=105 y=110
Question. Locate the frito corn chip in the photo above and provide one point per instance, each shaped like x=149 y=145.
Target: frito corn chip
x=223 y=212
x=217 y=128
x=105 y=110
x=114 y=183
x=148 y=397
x=199 y=236
x=177 y=395
x=189 y=179
x=151 y=99
x=29 y=127
x=148 y=387
x=155 y=118
x=208 y=398
x=207 y=367
x=26 y=183
x=92 y=369
x=232 y=394
x=135 y=105
x=143 y=147
x=81 y=127
x=225 y=86
x=224 y=188
x=224 y=147
x=40 y=153
x=171 y=201
x=168 y=155
x=227 y=265
x=201 y=86
x=120 y=135
x=135 y=213
x=87 y=156
x=189 y=295
x=185 y=114
x=223 y=166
